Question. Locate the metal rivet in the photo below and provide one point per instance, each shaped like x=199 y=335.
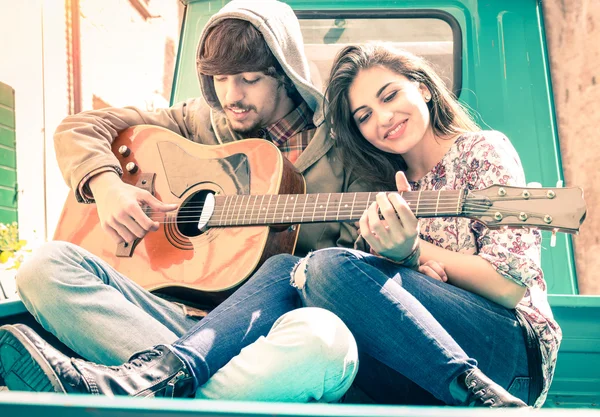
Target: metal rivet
x=522 y=216
x=526 y=194
x=551 y=194
x=144 y=182
x=548 y=218
x=498 y=216
x=501 y=192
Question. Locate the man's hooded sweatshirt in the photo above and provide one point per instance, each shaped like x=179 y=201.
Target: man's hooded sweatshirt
x=83 y=141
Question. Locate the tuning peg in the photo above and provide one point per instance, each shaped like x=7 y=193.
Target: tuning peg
x=124 y=151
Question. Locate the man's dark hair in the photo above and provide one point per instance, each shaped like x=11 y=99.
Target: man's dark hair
x=233 y=46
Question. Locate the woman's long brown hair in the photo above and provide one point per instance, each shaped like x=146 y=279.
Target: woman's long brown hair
x=375 y=167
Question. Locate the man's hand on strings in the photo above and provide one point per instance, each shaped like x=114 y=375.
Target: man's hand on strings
x=119 y=207
x=394 y=236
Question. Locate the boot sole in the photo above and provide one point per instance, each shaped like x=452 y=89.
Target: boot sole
x=23 y=367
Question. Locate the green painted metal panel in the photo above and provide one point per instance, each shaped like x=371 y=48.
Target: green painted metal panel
x=57 y=405
x=8 y=215
x=577 y=375
x=7 y=96
x=8 y=156
x=8 y=177
x=11 y=308
x=505 y=81
x=7 y=137
x=7 y=117
x=7 y=197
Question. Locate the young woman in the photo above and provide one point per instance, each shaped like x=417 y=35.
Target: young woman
x=426 y=339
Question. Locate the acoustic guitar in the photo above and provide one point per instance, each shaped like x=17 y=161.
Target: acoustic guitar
x=238 y=203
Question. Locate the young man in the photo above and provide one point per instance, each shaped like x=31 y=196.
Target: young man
x=255 y=83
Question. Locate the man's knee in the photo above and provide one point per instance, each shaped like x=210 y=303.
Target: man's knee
x=37 y=272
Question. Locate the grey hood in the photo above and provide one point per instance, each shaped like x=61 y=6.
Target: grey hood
x=279 y=26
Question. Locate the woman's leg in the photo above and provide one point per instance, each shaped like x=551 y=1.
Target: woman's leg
x=428 y=331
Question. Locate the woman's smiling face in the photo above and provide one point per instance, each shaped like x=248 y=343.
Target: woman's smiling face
x=389 y=110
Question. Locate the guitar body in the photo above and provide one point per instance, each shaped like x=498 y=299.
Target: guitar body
x=178 y=259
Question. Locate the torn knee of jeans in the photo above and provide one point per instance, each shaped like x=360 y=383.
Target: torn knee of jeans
x=298 y=275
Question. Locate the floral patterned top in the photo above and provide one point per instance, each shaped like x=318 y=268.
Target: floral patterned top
x=477 y=160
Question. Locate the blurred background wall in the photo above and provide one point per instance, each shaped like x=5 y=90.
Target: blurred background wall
x=573 y=35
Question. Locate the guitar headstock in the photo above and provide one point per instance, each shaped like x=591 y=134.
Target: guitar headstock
x=553 y=209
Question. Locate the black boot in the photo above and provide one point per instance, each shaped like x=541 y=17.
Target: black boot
x=28 y=363
x=481 y=391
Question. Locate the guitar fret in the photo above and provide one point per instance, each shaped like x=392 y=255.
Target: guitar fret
x=228 y=207
x=326 y=207
x=294 y=208
x=304 y=207
x=239 y=208
x=268 y=206
x=221 y=217
x=315 y=209
x=262 y=200
x=438 y=202
x=252 y=213
x=418 y=201
x=237 y=220
x=229 y=219
x=337 y=217
x=352 y=207
x=276 y=205
x=246 y=211
x=284 y=209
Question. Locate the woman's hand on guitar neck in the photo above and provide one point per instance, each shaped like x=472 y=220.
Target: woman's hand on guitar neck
x=119 y=207
x=396 y=235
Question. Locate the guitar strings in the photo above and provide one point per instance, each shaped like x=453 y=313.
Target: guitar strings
x=344 y=211
x=234 y=205
x=423 y=200
x=323 y=215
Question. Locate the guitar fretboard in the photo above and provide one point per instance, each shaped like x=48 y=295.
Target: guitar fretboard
x=247 y=210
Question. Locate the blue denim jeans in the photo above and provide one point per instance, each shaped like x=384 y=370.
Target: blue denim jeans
x=415 y=334
x=257 y=345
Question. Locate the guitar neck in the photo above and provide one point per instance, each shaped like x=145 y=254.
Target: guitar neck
x=249 y=210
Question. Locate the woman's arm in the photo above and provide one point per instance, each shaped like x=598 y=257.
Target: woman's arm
x=474 y=274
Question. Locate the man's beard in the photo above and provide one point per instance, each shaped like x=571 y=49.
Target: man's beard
x=243 y=130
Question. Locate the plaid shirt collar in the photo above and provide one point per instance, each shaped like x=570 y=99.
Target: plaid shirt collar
x=296 y=121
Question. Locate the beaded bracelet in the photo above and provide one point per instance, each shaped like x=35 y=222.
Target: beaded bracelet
x=412 y=260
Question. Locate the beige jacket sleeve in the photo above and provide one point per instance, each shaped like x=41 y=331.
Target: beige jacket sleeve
x=83 y=141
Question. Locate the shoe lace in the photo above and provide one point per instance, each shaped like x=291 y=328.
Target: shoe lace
x=142 y=358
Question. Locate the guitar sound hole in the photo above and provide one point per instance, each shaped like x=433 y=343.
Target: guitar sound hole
x=189 y=214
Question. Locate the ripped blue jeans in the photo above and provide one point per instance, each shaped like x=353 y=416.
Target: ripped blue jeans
x=415 y=334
